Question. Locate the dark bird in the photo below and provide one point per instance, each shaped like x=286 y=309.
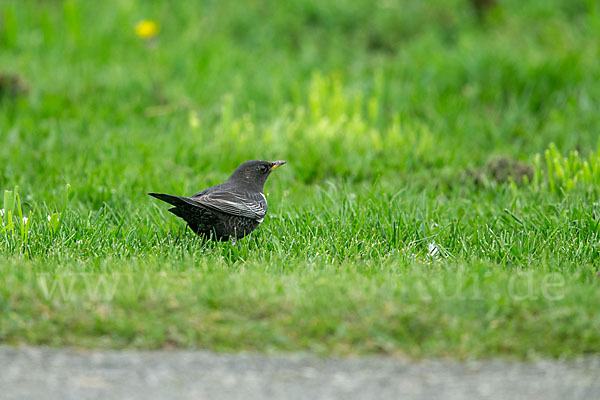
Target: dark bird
x=230 y=210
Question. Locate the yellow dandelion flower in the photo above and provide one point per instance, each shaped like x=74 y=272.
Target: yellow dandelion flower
x=146 y=29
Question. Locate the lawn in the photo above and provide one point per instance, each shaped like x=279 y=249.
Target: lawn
x=441 y=196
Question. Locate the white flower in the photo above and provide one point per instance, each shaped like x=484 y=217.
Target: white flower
x=1 y=212
x=433 y=250
x=49 y=218
x=25 y=219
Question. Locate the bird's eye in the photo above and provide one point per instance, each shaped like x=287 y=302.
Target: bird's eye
x=263 y=168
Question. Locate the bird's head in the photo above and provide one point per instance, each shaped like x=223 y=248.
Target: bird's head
x=253 y=174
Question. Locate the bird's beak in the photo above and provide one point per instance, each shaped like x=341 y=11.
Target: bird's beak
x=276 y=164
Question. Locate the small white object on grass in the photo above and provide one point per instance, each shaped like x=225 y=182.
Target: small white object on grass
x=433 y=250
x=25 y=219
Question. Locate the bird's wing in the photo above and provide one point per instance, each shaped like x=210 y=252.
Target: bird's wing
x=249 y=205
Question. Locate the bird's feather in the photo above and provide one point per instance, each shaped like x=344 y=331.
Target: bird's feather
x=242 y=204
x=177 y=201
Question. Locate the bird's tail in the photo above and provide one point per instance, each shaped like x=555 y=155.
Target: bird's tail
x=183 y=207
x=177 y=201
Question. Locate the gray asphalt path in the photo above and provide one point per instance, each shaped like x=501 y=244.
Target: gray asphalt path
x=41 y=373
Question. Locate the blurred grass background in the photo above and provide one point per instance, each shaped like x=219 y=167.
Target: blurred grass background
x=405 y=124
x=343 y=89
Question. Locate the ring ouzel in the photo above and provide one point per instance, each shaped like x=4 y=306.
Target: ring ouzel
x=230 y=210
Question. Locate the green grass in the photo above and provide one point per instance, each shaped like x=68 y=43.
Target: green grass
x=386 y=231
